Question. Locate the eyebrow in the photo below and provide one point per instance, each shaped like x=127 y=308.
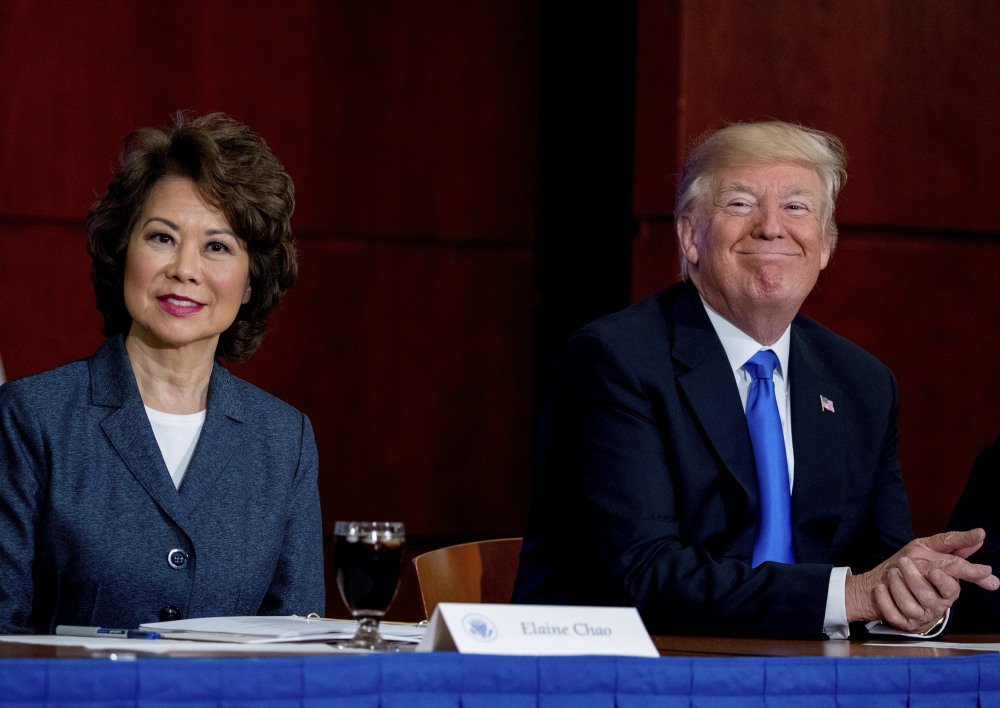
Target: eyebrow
x=795 y=191
x=175 y=227
x=736 y=187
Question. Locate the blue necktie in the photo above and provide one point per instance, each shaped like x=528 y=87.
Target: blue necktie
x=774 y=530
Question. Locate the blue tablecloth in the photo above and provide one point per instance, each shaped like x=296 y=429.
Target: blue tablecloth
x=489 y=681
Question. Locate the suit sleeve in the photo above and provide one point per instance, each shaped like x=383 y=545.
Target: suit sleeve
x=613 y=501
x=22 y=471
x=297 y=585
x=886 y=507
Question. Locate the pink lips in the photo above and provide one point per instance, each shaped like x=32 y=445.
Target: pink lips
x=179 y=306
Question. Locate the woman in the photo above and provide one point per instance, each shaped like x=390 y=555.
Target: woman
x=148 y=483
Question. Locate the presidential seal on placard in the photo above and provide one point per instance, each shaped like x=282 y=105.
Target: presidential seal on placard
x=479 y=627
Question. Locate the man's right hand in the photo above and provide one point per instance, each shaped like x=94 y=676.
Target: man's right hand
x=912 y=589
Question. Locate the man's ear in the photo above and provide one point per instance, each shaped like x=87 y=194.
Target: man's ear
x=686 y=237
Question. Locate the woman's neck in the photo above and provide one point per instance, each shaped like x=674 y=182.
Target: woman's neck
x=172 y=380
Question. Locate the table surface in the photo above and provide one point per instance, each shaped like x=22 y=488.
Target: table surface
x=743 y=646
x=667 y=646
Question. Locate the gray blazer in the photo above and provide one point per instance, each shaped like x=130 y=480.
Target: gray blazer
x=93 y=531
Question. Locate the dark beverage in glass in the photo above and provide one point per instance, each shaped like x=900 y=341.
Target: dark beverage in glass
x=368 y=556
x=368 y=573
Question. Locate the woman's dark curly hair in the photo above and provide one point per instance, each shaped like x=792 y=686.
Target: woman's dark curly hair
x=235 y=171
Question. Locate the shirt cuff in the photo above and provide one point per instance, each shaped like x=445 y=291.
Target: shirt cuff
x=880 y=627
x=835 y=625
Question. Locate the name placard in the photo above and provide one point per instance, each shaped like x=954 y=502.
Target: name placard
x=549 y=630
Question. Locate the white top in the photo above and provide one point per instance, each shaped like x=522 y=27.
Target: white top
x=177 y=436
x=739 y=347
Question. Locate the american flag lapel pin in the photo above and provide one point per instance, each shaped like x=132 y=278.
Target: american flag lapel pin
x=825 y=404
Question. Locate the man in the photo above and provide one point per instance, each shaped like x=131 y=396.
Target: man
x=979 y=505
x=648 y=492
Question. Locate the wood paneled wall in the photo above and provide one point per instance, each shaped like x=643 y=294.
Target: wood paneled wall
x=913 y=90
x=409 y=128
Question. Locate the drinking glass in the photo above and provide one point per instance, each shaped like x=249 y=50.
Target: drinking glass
x=368 y=555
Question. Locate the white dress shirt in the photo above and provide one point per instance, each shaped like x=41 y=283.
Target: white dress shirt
x=739 y=347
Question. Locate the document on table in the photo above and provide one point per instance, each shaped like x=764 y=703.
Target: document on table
x=268 y=629
x=968 y=646
x=158 y=646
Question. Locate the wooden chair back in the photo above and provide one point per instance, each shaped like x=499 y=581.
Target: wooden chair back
x=480 y=571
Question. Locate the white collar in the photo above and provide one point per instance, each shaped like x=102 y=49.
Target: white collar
x=740 y=346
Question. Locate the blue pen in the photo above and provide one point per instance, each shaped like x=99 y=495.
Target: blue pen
x=67 y=630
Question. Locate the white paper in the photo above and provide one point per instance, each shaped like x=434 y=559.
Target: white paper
x=269 y=629
x=553 y=630
x=978 y=646
x=160 y=646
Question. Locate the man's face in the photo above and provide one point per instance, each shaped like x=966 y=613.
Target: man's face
x=755 y=244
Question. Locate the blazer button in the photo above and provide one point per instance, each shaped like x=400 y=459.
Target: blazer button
x=177 y=559
x=169 y=613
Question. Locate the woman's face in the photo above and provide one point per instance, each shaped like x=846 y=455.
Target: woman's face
x=186 y=271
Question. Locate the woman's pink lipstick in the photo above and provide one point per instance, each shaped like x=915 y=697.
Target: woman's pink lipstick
x=179 y=306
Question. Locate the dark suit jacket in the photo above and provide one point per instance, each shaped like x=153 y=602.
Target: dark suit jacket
x=978 y=610
x=88 y=512
x=646 y=490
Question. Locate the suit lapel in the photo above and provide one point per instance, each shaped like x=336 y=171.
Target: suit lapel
x=817 y=436
x=224 y=437
x=707 y=381
x=127 y=428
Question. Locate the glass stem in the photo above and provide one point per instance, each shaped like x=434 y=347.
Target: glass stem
x=368 y=628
